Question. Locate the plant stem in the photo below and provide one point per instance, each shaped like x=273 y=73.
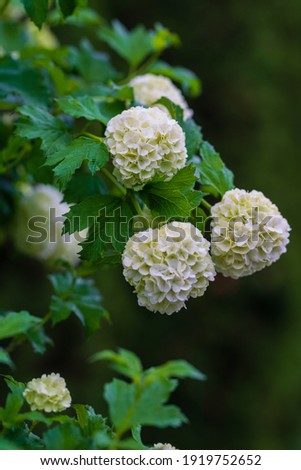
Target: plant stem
x=136 y=203
x=209 y=190
x=93 y=136
x=141 y=70
x=113 y=180
x=206 y=205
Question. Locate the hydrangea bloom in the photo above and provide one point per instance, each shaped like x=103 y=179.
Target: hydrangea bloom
x=149 y=88
x=145 y=143
x=160 y=446
x=168 y=265
x=38 y=226
x=48 y=393
x=248 y=233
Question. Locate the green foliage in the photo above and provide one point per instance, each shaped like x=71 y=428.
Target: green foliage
x=5 y=358
x=68 y=6
x=213 y=172
x=85 y=106
x=37 y=10
x=14 y=323
x=143 y=401
x=136 y=45
x=133 y=46
x=108 y=219
x=92 y=65
x=69 y=159
x=37 y=123
x=79 y=296
x=189 y=82
x=174 y=198
x=21 y=83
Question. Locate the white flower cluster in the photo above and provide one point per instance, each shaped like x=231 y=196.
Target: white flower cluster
x=38 y=226
x=149 y=88
x=145 y=143
x=248 y=233
x=161 y=446
x=48 y=393
x=168 y=265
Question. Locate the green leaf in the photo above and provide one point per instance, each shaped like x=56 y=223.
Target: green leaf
x=22 y=83
x=34 y=416
x=70 y=158
x=14 y=401
x=189 y=82
x=84 y=214
x=13 y=323
x=93 y=66
x=79 y=296
x=14 y=386
x=193 y=137
x=13 y=153
x=37 y=123
x=174 y=198
x=177 y=368
x=36 y=10
x=13 y=404
x=125 y=362
x=5 y=358
x=108 y=93
x=68 y=6
x=213 y=171
x=136 y=433
x=109 y=221
x=90 y=422
x=38 y=340
x=174 y=110
x=83 y=185
x=133 y=46
x=130 y=407
x=88 y=108
x=66 y=436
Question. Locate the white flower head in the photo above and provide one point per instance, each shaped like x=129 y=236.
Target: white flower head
x=149 y=88
x=38 y=226
x=48 y=393
x=248 y=233
x=161 y=446
x=145 y=143
x=167 y=266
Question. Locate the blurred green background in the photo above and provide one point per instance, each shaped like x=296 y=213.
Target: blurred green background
x=245 y=335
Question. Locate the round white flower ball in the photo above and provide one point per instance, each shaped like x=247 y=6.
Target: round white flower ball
x=48 y=393
x=38 y=226
x=167 y=266
x=145 y=143
x=161 y=446
x=149 y=88
x=248 y=233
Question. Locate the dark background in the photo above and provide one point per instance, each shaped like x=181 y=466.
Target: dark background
x=245 y=335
